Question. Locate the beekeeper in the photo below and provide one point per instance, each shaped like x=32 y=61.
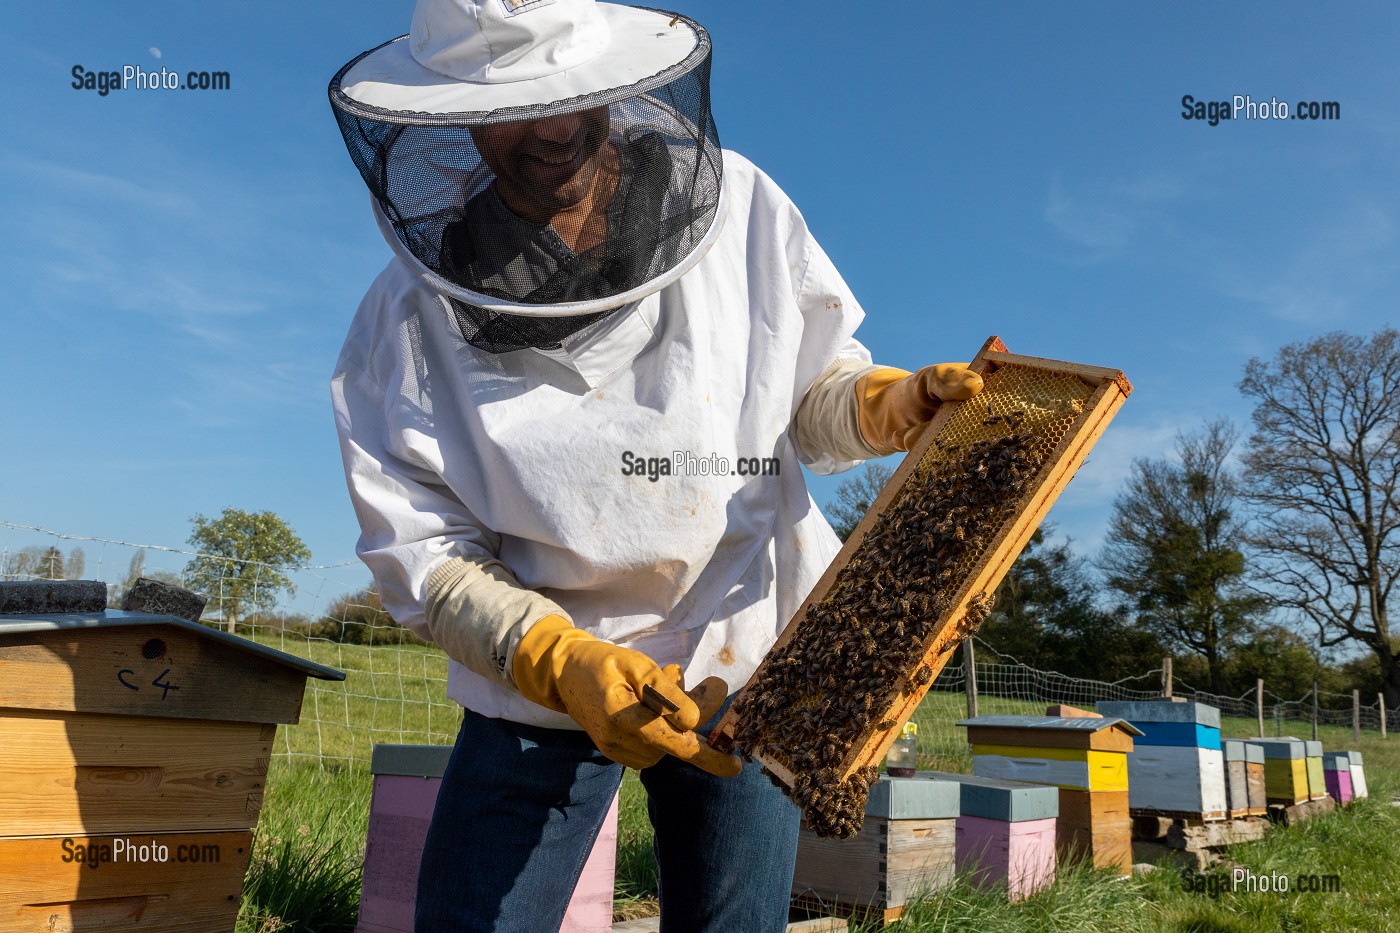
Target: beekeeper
x=572 y=411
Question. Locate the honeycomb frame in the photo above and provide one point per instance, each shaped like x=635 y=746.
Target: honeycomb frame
x=1064 y=407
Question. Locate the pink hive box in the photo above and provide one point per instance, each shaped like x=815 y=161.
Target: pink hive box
x=1006 y=832
x=1336 y=772
x=406 y=780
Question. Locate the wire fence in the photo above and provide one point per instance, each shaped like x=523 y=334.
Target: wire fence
x=395 y=686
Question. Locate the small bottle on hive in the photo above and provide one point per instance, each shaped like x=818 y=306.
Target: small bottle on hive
x=901 y=760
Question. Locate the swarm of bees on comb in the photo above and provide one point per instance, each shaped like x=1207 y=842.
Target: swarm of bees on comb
x=864 y=644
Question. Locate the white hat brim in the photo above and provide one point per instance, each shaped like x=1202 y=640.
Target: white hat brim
x=648 y=48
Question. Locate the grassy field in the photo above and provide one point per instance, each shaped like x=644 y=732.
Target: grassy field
x=318 y=802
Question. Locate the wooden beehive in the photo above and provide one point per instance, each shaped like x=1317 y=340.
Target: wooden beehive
x=1244 y=779
x=970 y=494
x=1006 y=832
x=1087 y=759
x=1317 y=781
x=407 y=779
x=1336 y=770
x=1358 y=776
x=1285 y=770
x=1177 y=767
x=136 y=753
x=906 y=847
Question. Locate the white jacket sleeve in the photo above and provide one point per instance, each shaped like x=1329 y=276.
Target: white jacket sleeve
x=434 y=564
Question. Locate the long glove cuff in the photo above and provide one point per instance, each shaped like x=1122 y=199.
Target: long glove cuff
x=892 y=406
x=539 y=659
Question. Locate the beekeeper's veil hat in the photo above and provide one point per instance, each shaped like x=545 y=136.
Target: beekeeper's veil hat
x=474 y=129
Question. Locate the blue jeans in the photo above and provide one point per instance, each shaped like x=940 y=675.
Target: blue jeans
x=519 y=809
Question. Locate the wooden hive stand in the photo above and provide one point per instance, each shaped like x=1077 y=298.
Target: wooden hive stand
x=136 y=755
x=853 y=701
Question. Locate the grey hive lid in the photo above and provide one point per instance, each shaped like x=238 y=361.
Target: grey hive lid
x=996 y=799
x=913 y=799
x=1336 y=761
x=1355 y=757
x=1161 y=711
x=116 y=618
x=1240 y=750
x=1050 y=723
x=1275 y=749
x=410 y=760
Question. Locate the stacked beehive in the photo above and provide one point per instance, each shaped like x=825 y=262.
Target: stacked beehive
x=1336 y=771
x=1358 y=776
x=1317 y=781
x=136 y=751
x=1085 y=758
x=1177 y=767
x=1244 y=779
x=906 y=845
x=1285 y=770
x=1006 y=832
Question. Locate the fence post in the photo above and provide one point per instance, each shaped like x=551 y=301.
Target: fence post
x=1314 y=735
x=1167 y=676
x=1259 y=704
x=970 y=663
x=1380 y=701
x=1356 y=715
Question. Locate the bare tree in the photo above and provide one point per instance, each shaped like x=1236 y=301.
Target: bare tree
x=1173 y=548
x=1323 y=467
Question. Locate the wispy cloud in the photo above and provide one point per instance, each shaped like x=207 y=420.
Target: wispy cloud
x=1324 y=274
x=1102 y=217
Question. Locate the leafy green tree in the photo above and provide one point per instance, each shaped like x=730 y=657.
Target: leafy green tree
x=243 y=561
x=1323 y=469
x=1046 y=614
x=1173 y=549
x=854 y=496
x=359 y=618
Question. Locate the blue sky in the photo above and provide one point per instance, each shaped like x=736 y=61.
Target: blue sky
x=181 y=267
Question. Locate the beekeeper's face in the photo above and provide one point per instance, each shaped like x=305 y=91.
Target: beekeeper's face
x=545 y=167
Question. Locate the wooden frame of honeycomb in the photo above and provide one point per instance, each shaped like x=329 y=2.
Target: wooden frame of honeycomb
x=914 y=579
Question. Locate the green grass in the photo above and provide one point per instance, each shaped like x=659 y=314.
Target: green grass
x=311 y=839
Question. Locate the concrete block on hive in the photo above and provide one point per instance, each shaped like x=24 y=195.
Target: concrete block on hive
x=914 y=578
x=153 y=596
x=35 y=597
x=406 y=783
x=140 y=743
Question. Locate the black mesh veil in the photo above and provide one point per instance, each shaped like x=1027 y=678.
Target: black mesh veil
x=455 y=196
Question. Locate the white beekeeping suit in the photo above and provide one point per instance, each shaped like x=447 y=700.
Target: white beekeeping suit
x=573 y=411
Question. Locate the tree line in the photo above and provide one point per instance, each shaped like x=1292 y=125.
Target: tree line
x=1269 y=554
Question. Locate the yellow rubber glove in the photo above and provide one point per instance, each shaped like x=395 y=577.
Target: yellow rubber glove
x=600 y=684
x=895 y=405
